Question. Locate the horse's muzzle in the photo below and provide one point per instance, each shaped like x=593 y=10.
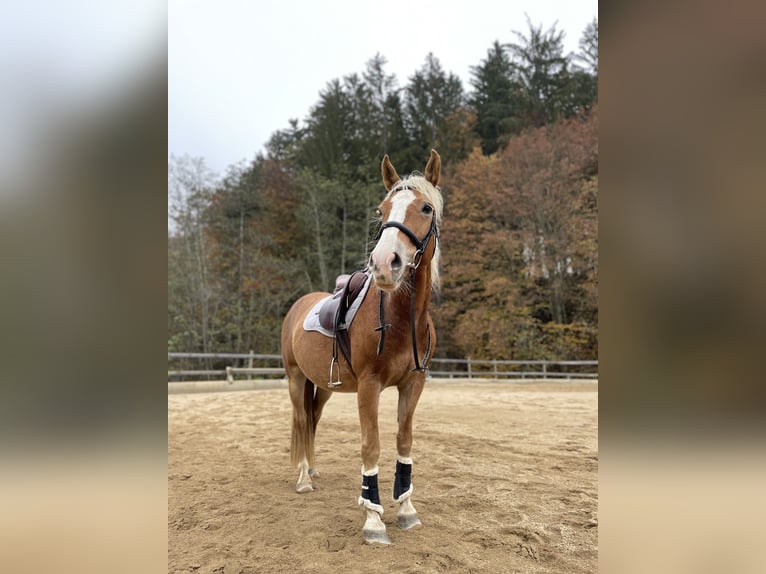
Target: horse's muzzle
x=386 y=271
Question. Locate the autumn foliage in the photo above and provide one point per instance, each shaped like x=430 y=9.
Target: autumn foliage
x=520 y=264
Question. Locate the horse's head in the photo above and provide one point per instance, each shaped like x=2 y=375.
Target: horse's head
x=410 y=214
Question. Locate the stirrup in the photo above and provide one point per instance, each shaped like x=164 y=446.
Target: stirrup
x=332 y=384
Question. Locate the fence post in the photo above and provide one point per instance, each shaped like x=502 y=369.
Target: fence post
x=494 y=368
x=250 y=360
x=470 y=374
x=545 y=370
x=229 y=376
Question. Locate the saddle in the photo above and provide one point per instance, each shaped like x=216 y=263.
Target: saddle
x=332 y=314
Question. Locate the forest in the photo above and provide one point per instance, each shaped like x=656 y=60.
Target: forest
x=520 y=184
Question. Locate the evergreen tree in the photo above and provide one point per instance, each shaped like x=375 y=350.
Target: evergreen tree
x=539 y=63
x=585 y=77
x=588 y=54
x=384 y=115
x=493 y=98
x=431 y=96
x=327 y=140
x=283 y=145
x=399 y=143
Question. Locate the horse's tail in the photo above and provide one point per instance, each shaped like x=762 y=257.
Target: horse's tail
x=304 y=425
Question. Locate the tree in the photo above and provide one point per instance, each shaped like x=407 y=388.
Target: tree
x=552 y=189
x=190 y=188
x=327 y=138
x=588 y=54
x=430 y=97
x=283 y=145
x=531 y=83
x=538 y=61
x=382 y=117
x=475 y=310
x=494 y=98
x=520 y=248
x=520 y=234
x=585 y=77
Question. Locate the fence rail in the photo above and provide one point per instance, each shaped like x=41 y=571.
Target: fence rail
x=447 y=368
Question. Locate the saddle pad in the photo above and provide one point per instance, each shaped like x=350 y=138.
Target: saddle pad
x=311 y=322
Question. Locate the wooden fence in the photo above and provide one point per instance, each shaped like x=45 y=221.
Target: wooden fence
x=270 y=366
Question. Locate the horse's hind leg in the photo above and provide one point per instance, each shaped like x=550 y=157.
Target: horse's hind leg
x=320 y=398
x=302 y=440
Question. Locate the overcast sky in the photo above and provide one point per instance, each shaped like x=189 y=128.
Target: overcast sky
x=238 y=70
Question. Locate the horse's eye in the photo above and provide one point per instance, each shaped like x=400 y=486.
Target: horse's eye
x=427 y=209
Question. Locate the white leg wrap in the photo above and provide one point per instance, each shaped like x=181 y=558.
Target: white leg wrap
x=368 y=504
x=405 y=495
x=406 y=461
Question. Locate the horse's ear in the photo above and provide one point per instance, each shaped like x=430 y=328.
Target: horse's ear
x=434 y=168
x=390 y=177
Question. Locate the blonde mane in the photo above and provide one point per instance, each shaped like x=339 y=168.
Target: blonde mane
x=433 y=195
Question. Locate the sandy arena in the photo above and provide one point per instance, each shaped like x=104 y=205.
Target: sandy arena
x=505 y=479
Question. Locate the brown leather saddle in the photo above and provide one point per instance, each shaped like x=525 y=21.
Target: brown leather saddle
x=332 y=314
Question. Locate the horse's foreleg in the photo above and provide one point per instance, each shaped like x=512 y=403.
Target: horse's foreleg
x=374 y=530
x=409 y=394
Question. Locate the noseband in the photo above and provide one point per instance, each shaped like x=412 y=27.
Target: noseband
x=420 y=246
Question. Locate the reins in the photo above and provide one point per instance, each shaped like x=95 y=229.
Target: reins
x=420 y=245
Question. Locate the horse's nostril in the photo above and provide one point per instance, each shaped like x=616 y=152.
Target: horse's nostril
x=396 y=262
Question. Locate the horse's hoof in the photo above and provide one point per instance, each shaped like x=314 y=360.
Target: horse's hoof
x=376 y=537
x=304 y=487
x=407 y=521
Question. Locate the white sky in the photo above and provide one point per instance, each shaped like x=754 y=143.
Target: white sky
x=238 y=70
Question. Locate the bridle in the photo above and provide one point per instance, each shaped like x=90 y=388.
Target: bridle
x=420 y=246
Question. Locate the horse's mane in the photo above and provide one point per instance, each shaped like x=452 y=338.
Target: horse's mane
x=433 y=195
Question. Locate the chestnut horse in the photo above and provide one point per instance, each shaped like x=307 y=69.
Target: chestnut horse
x=391 y=339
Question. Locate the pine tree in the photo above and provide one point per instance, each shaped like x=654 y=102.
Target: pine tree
x=585 y=77
x=494 y=98
x=431 y=96
x=539 y=63
x=588 y=54
x=382 y=92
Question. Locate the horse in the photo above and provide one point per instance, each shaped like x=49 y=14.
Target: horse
x=390 y=342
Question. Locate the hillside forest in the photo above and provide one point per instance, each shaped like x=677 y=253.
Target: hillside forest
x=519 y=152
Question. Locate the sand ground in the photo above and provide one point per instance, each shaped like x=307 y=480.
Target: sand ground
x=505 y=479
